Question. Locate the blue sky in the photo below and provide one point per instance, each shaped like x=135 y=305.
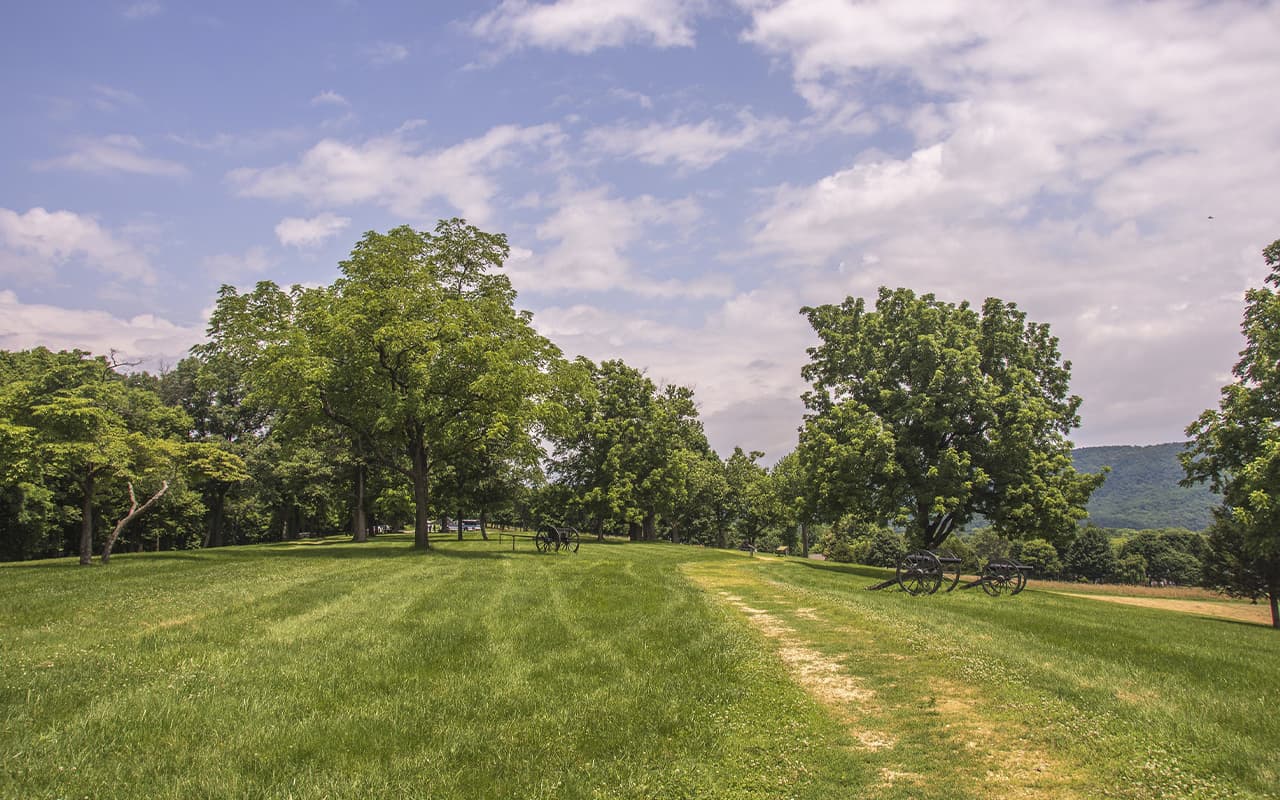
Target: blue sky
x=677 y=177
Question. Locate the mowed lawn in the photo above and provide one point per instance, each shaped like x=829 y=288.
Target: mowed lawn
x=333 y=670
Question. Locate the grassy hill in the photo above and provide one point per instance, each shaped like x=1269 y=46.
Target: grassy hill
x=1142 y=489
x=335 y=670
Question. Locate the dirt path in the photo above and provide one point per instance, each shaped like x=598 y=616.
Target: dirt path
x=1238 y=612
x=926 y=730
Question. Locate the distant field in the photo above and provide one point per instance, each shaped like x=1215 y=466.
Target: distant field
x=648 y=671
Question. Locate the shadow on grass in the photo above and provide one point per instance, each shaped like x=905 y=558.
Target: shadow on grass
x=861 y=570
x=345 y=549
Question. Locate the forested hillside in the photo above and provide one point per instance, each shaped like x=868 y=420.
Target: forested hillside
x=1142 y=488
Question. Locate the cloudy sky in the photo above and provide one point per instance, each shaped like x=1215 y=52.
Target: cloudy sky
x=677 y=177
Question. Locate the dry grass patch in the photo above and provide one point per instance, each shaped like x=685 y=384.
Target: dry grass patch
x=1132 y=590
x=1239 y=612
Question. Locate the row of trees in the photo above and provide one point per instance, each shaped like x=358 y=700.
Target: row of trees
x=414 y=377
x=412 y=388
x=409 y=390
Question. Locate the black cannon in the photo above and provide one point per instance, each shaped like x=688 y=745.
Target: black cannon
x=927 y=571
x=553 y=536
x=1001 y=576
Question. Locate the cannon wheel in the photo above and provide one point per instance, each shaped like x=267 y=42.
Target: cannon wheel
x=950 y=572
x=919 y=573
x=998 y=577
x=1019 y=580
x=569 y=539
x=542 y=540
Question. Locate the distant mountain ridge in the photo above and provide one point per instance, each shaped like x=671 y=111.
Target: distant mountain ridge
x=1142 y=490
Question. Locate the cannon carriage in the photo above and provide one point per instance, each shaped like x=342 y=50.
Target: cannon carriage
x=555 y=537
x=926 y=571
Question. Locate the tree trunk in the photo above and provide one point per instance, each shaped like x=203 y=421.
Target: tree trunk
x=217 y=517
x=134 y=511
x=484 y=522
x=1275 y=609
x=86 y=523
x=633 y=530
x=650 y=528
x=804 y=540
x=597 y=526
x=359 y=525
x=421 y=498
x=459 y=524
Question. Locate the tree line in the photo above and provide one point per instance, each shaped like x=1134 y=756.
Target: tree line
x=412 y=389
x=409 y=391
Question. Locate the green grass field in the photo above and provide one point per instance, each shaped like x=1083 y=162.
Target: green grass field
x=334 y=670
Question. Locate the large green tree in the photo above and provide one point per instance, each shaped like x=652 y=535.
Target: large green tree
x=928 y=413
x=98 y=437
x=1236 y=449
x=791 y=487
x=630 y=452
x=416 y=352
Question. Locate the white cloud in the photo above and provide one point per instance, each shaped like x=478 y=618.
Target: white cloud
x=248 y=142
x=583 y=26
x=147 y=338
x=1067 y=156
x=142 y=10
x=592 y=233
x=116 y=153
x=44 y=240
x=109 y=98
x=641 y=99
x=228 y=267
x=742 y=360
x=299 y=232
x=393 y=172
x=330 y=98
x=693 y=146
x=382 y=54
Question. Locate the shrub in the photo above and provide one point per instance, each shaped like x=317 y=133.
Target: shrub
x=885 y=548
x=1042 y=556
x=839 y=550
x=963 y=551
x=1130 y=568
x=1090 y=555
x=987 y=544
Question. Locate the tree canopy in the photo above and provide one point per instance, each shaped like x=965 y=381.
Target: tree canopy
x=927 y=413
x=1236 y=449
x=416 y=352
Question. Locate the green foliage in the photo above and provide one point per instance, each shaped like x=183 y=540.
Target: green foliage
x=1042 y=556
x=74 y=433
x=1236 y=447
x=928 y=413
x=1231 y=565
x=885 y=548
x=843 y=551
x=987 y=543
x=1130 y=568
x=963 y=550
x=631 y=454
x=416 y=354
x=1090 y=556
